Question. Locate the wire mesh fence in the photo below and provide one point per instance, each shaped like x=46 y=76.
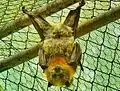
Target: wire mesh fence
x=100 y=48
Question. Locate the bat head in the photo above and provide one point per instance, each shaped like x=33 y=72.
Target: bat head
x=59 y=72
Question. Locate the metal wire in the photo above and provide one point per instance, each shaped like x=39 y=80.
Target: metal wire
x=101 y=50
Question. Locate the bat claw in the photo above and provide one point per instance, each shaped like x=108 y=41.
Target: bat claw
x=49 y=84
x=82 y=3
x=44 y=66
x=23 y=9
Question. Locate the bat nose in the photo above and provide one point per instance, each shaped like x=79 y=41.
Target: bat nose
x=57 y=69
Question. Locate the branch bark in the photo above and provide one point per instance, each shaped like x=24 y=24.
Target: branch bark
x=44 y=11
x=19 y=58
x=84 y=28
x=98 y=22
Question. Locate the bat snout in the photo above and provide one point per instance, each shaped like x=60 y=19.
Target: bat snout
x=57 y=69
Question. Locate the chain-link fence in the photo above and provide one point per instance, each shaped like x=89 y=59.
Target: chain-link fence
x=101 y=50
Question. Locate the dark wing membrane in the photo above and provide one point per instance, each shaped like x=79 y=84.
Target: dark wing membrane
x=73 y=17
x=76 y=56
x=42 y=59
x=38 y=22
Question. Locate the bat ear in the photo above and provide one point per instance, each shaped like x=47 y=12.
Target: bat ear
x=49 y=84
x=38 y=22
x=76 y=56
x=73 y=16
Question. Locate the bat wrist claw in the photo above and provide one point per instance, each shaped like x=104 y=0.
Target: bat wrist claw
x=44 y=66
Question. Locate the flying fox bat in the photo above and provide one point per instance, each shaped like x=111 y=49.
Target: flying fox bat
x=59 y=55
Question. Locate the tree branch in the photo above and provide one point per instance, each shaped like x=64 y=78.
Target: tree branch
x=98 y=22
x=84 y=28
x=44 y=11
x=19 y=58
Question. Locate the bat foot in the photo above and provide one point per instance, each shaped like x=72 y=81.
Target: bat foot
x=24 y=10
x=82 y=3
x=49 y=84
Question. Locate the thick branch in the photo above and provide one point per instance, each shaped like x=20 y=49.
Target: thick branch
x=84 y=28
x=44 y=11
x=19 y=58
x=98 y=22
